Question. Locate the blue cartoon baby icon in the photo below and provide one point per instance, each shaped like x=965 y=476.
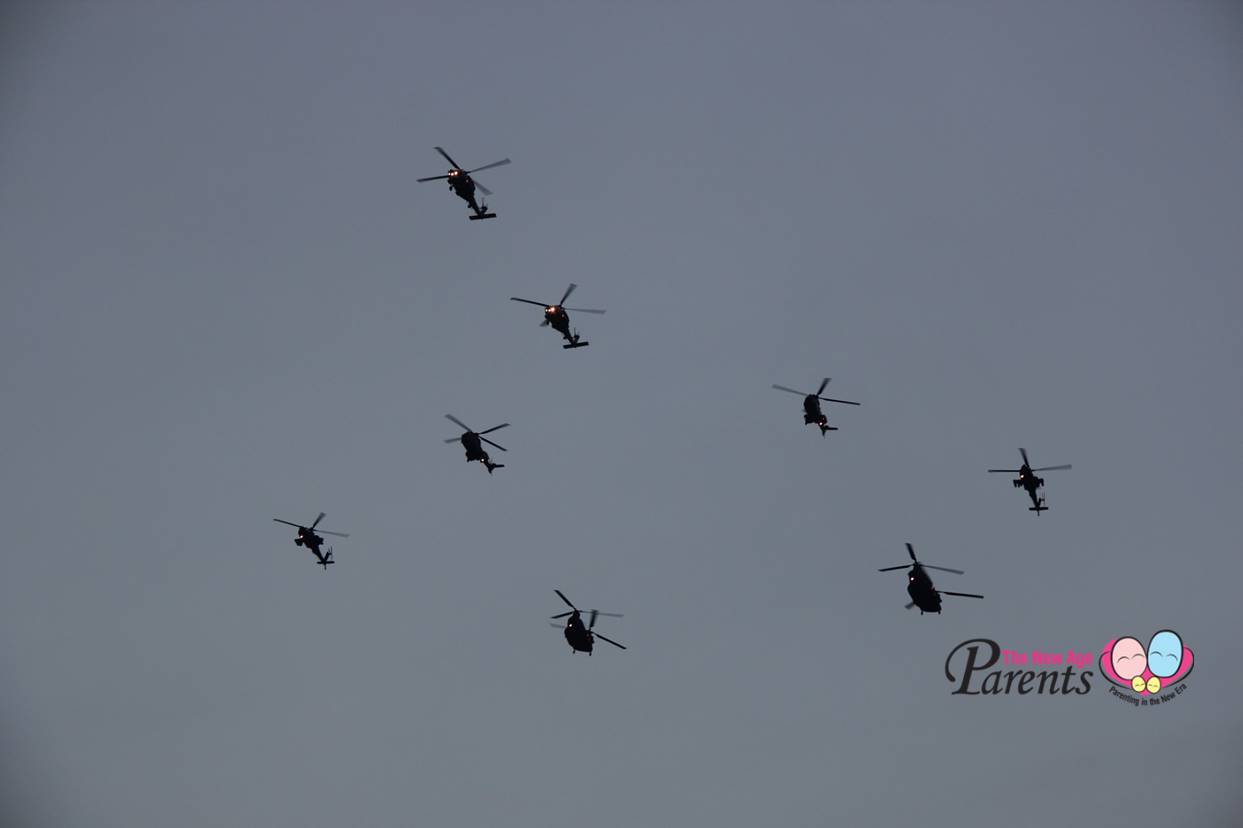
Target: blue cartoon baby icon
x=1165 y=656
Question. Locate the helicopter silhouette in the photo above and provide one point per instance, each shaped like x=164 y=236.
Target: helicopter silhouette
x=307 y=537
x=919 y=586
x=581 y=638
x=811 y=406
x=473 y=441
x=461 y=182
x=1028 y=480
x=556 y=316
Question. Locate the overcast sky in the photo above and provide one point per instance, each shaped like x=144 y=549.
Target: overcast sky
x=225 y=299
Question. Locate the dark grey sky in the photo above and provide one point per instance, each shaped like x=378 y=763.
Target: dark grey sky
x=225 y=299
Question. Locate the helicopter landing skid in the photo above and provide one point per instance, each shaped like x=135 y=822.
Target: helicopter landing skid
x=576 y=345
x=478 y=216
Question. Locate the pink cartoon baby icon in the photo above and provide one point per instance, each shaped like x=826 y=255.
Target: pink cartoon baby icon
x=1129 y=659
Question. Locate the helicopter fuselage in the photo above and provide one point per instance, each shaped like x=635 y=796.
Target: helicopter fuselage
x=577 y=636
x=476 y=454
x=1031 y=483
x=923 y=594
x=464 y=187
x=812 y=412
x=813 y=415
x=556 y=316
x=309 y=539
x=474 y=448
x=559 y=320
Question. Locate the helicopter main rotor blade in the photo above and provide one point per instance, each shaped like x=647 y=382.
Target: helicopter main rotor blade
x=943 y=569
x=432 y=178
x=959 y=594
x=1005 y=471
x=530 y=302
x=910 y=550
x=567 y=293
x=891 y=568
x=583 y=310
x=497 y=445
x=334 y=534
x=561 y=595
x=287 y=523
x=455 y=164
x=823 y=384
x=592 y=623
x=453 y=440
x=455 y=420
x=1023 y=452
x=1052 y=468
x=500 y=163
x=481 y=188
x=562 y=615
x=791 y=390
x=611 y=641
x=317 y=520
x=495 y=428
x=830 y=399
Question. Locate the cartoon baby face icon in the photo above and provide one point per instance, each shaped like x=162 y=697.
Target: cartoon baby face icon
x=1126 y=662
x=1165 y=654
x=1128 y=658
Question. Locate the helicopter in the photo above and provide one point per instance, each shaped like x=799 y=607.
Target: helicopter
x=919 y=585
x=556 y=316
x=464 y=186
x=581 y=638
x=308 y=537
x=1029 y=481
x=473 y=441
x=811 y=406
